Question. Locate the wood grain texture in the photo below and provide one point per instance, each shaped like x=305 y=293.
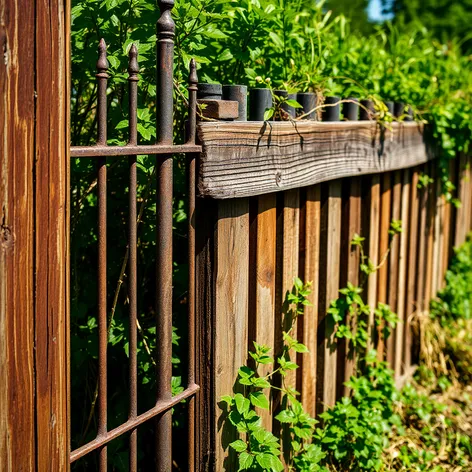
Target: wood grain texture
x=430 y=243
x=231 y=313
x=349 y=269
x=373 y=212
x=311 y=260
x=206 y=213
x=422 y=247
x=17 y=151
x=243 y=159
x=446 y=227
x=468 y=198
x=413 y=268
x=330 y=250
x=291 y=235
x=437 y=238
x=382 y=275
x=262 y=309
x=462 y=179
x=402 y=281
x=51 y=235
x=219 y=109
x=394 y=262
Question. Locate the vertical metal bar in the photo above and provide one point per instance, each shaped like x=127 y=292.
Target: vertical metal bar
x=164 y=131
x=133 y=69
x=192 y=102
x=102 y=78
x=192 y=93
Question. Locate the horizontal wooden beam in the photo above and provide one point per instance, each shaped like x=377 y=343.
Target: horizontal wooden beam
x=242 y=159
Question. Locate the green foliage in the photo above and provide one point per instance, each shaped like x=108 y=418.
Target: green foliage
x=445 y=19
x=454 y=301
x=353 y=434
x=451 y=316
x=259 y=449
x=355 y=11
x=354 y=431
x=350 y=313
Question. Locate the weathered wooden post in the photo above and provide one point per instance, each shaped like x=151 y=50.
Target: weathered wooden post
x=34 y=187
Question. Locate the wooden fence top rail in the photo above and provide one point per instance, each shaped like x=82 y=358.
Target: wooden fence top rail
x=242 y=159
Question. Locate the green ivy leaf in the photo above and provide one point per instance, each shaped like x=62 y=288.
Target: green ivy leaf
x=268 y=114
x=259 y=400
x=285 y=416
x=242 y=403
x=238 y=445
x=260 y=382
x=245 y=461
x=293 y=104
x=227 y=399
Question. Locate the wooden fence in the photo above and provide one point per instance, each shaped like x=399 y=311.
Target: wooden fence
x=252 y=247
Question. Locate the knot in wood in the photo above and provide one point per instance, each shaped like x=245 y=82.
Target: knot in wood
x=6 y=237
x=3 y=44
x=278 y=177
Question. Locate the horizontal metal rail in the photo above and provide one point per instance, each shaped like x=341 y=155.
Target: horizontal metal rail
x=132 y=150
x=160 y=407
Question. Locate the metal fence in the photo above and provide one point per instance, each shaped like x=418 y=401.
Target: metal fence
x=164 y=149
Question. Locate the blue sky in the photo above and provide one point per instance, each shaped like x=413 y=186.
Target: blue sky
x=375 y=11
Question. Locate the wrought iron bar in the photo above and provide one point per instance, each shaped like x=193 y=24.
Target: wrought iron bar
x=164 y=132
x=133 y=70
x=125 y=151
x=192 y=102
x=192 y=92
x=101 y=441
x=102 y=78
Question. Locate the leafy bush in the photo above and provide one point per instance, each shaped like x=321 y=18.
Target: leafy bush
x=454 y=301
x=354 y=431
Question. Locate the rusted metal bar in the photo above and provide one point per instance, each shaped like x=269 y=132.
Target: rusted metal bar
x=163 y=149
x=102 y=79
x=133 y=70
x=125 y=151
x=164 y=132
x=192 y=92
x=192 y=102
x=161 y=406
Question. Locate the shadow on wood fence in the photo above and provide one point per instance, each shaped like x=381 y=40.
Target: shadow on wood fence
x=255 y=246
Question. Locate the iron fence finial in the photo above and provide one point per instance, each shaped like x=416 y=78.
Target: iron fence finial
x=133 y=66
x=193 y=77
x=165 y=24
x=102 y=63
